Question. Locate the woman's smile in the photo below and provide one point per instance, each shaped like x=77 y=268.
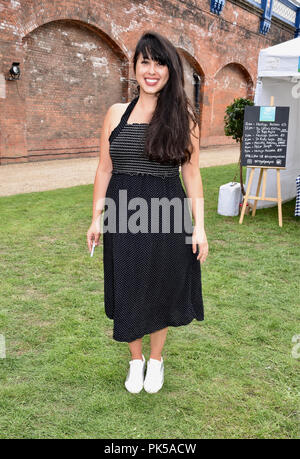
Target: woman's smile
x=151 y=81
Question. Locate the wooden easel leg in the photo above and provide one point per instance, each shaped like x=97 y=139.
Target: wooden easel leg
x=279 y=198
x=263 y=193
x=257 y=192
x=246 y=195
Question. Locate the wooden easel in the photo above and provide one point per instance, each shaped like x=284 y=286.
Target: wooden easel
x=263 y=173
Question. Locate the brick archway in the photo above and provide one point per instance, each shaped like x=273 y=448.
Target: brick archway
x=230 y=82
x=71 y=76
x=191 y=67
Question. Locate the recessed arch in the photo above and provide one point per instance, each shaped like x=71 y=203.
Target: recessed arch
x=231 y=81
x=72 y=73
x=194 y=90
x=242 y=70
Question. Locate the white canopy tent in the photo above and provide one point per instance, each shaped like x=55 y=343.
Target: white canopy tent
x=279 y=76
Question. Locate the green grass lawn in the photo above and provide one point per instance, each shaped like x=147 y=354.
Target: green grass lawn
x=230 y=376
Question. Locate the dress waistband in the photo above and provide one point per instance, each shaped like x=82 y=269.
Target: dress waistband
x=164 y=176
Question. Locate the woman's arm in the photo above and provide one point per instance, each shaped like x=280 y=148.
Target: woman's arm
x=191 y=176
x=102 y=179
x=104 y=169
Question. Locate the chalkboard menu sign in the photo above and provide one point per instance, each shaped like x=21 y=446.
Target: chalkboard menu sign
x=265 y=136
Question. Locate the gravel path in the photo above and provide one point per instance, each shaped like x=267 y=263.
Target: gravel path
x=65 y=173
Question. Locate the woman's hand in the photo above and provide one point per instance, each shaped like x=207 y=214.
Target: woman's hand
x=93 y=234
x=199 y=238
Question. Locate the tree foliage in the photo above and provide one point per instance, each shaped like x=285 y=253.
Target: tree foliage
x=234 y=121
x=234 y=118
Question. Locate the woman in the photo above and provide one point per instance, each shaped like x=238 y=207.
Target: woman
x=152 y=279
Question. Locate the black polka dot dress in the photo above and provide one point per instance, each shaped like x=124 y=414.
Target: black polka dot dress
x=152 y=278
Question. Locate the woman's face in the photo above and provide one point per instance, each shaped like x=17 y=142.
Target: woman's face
x=151 y=75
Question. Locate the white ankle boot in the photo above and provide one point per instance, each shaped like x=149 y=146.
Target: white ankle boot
x=155 y=376
x=135 y=377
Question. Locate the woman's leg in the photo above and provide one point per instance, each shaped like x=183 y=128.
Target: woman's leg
x=136 y=349
x=157 y=340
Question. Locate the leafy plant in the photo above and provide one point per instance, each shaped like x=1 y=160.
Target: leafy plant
x=234 y=121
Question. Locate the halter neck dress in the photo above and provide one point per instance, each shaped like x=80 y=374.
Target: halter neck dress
x=152 y=280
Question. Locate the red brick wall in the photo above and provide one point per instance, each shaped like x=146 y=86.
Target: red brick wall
x=69 y=72
x=75 y=61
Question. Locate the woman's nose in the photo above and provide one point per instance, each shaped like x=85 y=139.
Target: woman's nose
x=152 y=67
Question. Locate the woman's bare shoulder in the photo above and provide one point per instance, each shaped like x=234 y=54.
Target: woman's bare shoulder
x=116 y=111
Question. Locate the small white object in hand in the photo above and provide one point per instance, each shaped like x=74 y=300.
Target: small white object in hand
x=92 y=252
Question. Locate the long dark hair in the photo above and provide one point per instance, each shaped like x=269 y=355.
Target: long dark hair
x=168 y=135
